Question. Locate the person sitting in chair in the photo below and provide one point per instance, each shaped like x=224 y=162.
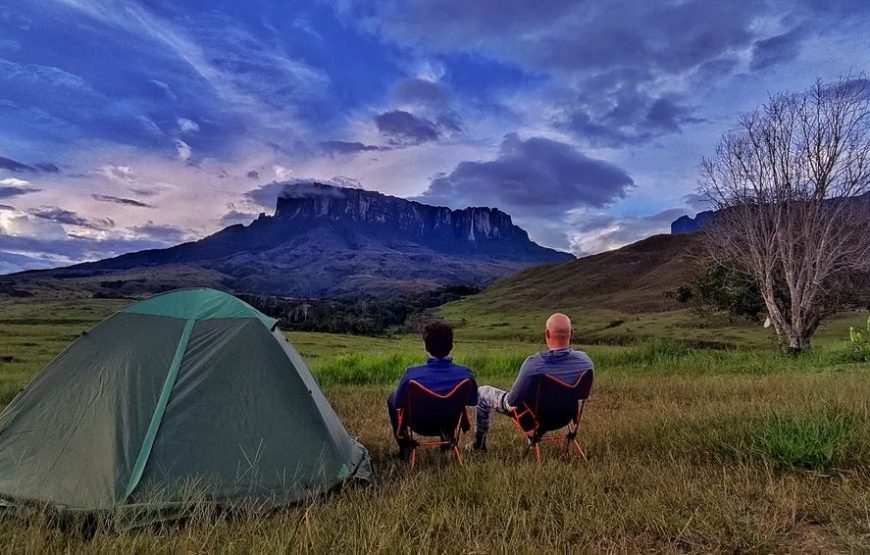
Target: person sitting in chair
x=440 y=374
x=560 y=361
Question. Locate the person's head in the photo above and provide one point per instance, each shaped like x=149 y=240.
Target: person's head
x=558 y=331
x=438 y=339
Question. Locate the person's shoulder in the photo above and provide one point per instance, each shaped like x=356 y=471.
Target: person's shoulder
x=462 y=369
x=581 y=356
x=411 y=370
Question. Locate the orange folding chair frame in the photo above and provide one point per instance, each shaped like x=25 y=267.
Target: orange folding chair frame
x=452 y=443
x=534 y=436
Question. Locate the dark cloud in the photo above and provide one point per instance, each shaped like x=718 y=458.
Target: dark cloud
x=119 y=200
x=421 y=92
x=406 y=128
x=266 y=195
x=13 y=165
x=163 y=233
x=537 y=177
x=61 y=216
x=146 y=191
x=9 y=192
x=47 y=167
x=346 y=147
x=775 y=50
x=624 y=116
x=16 y=166
x=6 y=207
x=253 y=174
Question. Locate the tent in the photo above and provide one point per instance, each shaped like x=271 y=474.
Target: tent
x=188 y=393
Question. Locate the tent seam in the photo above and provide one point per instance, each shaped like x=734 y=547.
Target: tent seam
x=159 y=409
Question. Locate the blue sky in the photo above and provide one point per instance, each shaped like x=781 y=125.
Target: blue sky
x=138 y=124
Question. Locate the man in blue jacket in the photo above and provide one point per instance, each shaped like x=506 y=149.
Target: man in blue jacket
x=440 y=374
x=560 y=361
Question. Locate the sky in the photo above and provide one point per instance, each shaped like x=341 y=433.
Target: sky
x=139 y=124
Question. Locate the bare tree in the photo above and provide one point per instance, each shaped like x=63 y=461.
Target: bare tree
x=792 y=188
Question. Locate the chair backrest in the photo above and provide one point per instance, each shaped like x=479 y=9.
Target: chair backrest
x=555 y=403
x=432 y=414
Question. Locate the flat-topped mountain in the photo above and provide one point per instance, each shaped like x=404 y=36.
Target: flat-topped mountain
x=324 y=241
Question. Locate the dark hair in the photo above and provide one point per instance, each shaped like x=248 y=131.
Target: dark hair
x=438 y=338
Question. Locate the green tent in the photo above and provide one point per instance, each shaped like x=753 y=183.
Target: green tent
x=188 y=393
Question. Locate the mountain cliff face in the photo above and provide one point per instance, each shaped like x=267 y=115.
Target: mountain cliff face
x=686 y=224
x=328 y=241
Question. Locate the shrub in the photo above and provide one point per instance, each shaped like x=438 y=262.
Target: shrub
x=861 y=342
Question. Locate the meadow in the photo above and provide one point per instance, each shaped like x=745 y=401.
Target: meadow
x=701 y=437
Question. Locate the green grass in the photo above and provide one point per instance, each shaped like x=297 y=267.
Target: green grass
x=691 y=449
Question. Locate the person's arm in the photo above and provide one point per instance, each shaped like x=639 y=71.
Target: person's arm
x=522 y=383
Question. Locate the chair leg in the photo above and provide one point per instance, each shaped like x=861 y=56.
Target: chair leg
x=457 y=452
x=413 y=457
x=538 y=452
x=580 y=450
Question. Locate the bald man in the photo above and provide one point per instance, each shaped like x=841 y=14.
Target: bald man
x=560 y=361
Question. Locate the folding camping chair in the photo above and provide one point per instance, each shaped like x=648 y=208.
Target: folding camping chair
x=427 y=413
x=553 y=405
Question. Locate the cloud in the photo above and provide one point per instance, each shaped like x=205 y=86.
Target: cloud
x=61 y=216
x=187 y=125
x=117 y=172
x=777 y=49
x=183 y=149
x=9 y=192
x=266 y=195
x=346 y=147
x=13 y=165
x=421 y=92
x=624 y=116
x=282 y=173
x=537 y=177
x=404 y=128
x=697 y=202
x=161 y=232
x=14 y=182
x=119 y=200
x=234 y=217
x=594 y=233
x=50 y=252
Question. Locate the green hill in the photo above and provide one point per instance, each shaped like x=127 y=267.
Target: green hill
x=616 y=297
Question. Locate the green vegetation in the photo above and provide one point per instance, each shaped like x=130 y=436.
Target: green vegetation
x=861 y=342
x=692 y=448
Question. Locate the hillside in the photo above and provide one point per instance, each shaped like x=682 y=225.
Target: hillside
x=322 y=241
x=631 y=279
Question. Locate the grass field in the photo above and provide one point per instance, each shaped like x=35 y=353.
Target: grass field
x=691 y=448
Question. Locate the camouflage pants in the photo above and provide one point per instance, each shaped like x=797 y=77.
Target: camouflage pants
x=489 y=398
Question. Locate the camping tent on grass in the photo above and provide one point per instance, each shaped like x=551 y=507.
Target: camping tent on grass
x=191 y=392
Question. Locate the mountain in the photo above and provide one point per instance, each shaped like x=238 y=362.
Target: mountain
x=322 y=241
x=686 y=224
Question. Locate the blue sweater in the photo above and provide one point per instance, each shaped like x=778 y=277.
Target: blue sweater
x=438 y=374
x=564 y=364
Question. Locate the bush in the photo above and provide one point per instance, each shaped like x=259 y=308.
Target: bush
x=861 y=342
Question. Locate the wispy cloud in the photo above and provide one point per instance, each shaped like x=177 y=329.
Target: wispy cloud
x=119 y=200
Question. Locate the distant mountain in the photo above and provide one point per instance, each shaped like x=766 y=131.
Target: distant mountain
x=686 y=224
x=323 y=241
